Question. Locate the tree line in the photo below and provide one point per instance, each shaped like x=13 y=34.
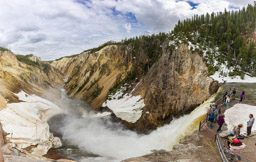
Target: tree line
x=233 y=32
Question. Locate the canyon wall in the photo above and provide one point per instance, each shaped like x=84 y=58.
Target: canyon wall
x=108 y=79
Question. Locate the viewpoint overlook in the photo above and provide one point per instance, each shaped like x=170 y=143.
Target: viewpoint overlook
x=164 y=85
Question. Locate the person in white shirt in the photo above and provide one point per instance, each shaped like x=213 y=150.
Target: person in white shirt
x=227 y=101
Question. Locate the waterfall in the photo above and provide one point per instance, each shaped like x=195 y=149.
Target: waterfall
x=100 y=136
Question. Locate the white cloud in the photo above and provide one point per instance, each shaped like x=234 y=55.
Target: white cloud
x=51 y=29
x=128 y=27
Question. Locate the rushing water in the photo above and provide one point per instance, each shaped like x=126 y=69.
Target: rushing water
x=99 y=136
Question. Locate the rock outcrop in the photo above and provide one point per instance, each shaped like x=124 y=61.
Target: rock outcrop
x=26 y=124
x=194 y=147
x=178 y=83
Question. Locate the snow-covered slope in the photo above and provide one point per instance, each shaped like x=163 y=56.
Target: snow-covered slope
x=26 y=123
x=234 y=79
x=239 y=114
x=222 y=75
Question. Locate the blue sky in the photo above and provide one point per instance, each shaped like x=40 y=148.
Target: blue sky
x=54 y=28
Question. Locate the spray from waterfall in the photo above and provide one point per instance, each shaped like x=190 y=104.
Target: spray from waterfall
x=102 y=137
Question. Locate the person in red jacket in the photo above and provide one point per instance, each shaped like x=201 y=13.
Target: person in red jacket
x=220 y=121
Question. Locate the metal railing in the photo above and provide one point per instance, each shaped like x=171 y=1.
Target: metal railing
x=221 y=149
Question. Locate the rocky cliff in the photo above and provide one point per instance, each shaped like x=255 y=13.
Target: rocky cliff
x=92 y=75
x=23 y=113
x=115 y=78
x=178 y=83
x=16 y=75
x=194 y=147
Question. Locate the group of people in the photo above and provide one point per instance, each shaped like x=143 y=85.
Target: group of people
x=234 y=138
x=227 y=97
x=213 y=114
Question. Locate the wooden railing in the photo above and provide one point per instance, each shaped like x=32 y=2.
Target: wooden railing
x=203 y=122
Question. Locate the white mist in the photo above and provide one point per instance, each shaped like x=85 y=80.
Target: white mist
x=99 y=136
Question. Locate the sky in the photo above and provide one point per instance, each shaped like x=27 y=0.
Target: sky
x=52 y=29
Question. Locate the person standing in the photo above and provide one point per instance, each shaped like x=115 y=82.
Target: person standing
x=227 y=101
x=234 y=93
x=224 y=97
x=250 y=124
x=211 y=119
x=220 y=122
x=242 y=96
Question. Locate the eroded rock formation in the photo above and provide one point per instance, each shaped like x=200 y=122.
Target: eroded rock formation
x=16 y=76
x=91 y=75
x=174 y=86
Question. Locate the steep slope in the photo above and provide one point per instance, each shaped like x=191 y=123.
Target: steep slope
x=174 y=86
x=143 y=92
x=194 y=147
x=16 y=76
x=24 y=115
x=97 y=73
x=226 y=40
x=92 y=75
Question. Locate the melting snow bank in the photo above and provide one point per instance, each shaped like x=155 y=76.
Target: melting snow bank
x=239 y=114
x=127 y=108
x=229 y=79
x=223 y=76
x=26 y=123
x=107 y=139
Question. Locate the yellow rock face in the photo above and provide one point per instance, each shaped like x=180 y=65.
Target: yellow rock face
x=90 y=72
x=16 y=76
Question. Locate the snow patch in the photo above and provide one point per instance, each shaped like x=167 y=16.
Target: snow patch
x=104 y=114
x=222 y=76
x=26 y=123
x=239 y=114
x=126 y=107
x=230 y=79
